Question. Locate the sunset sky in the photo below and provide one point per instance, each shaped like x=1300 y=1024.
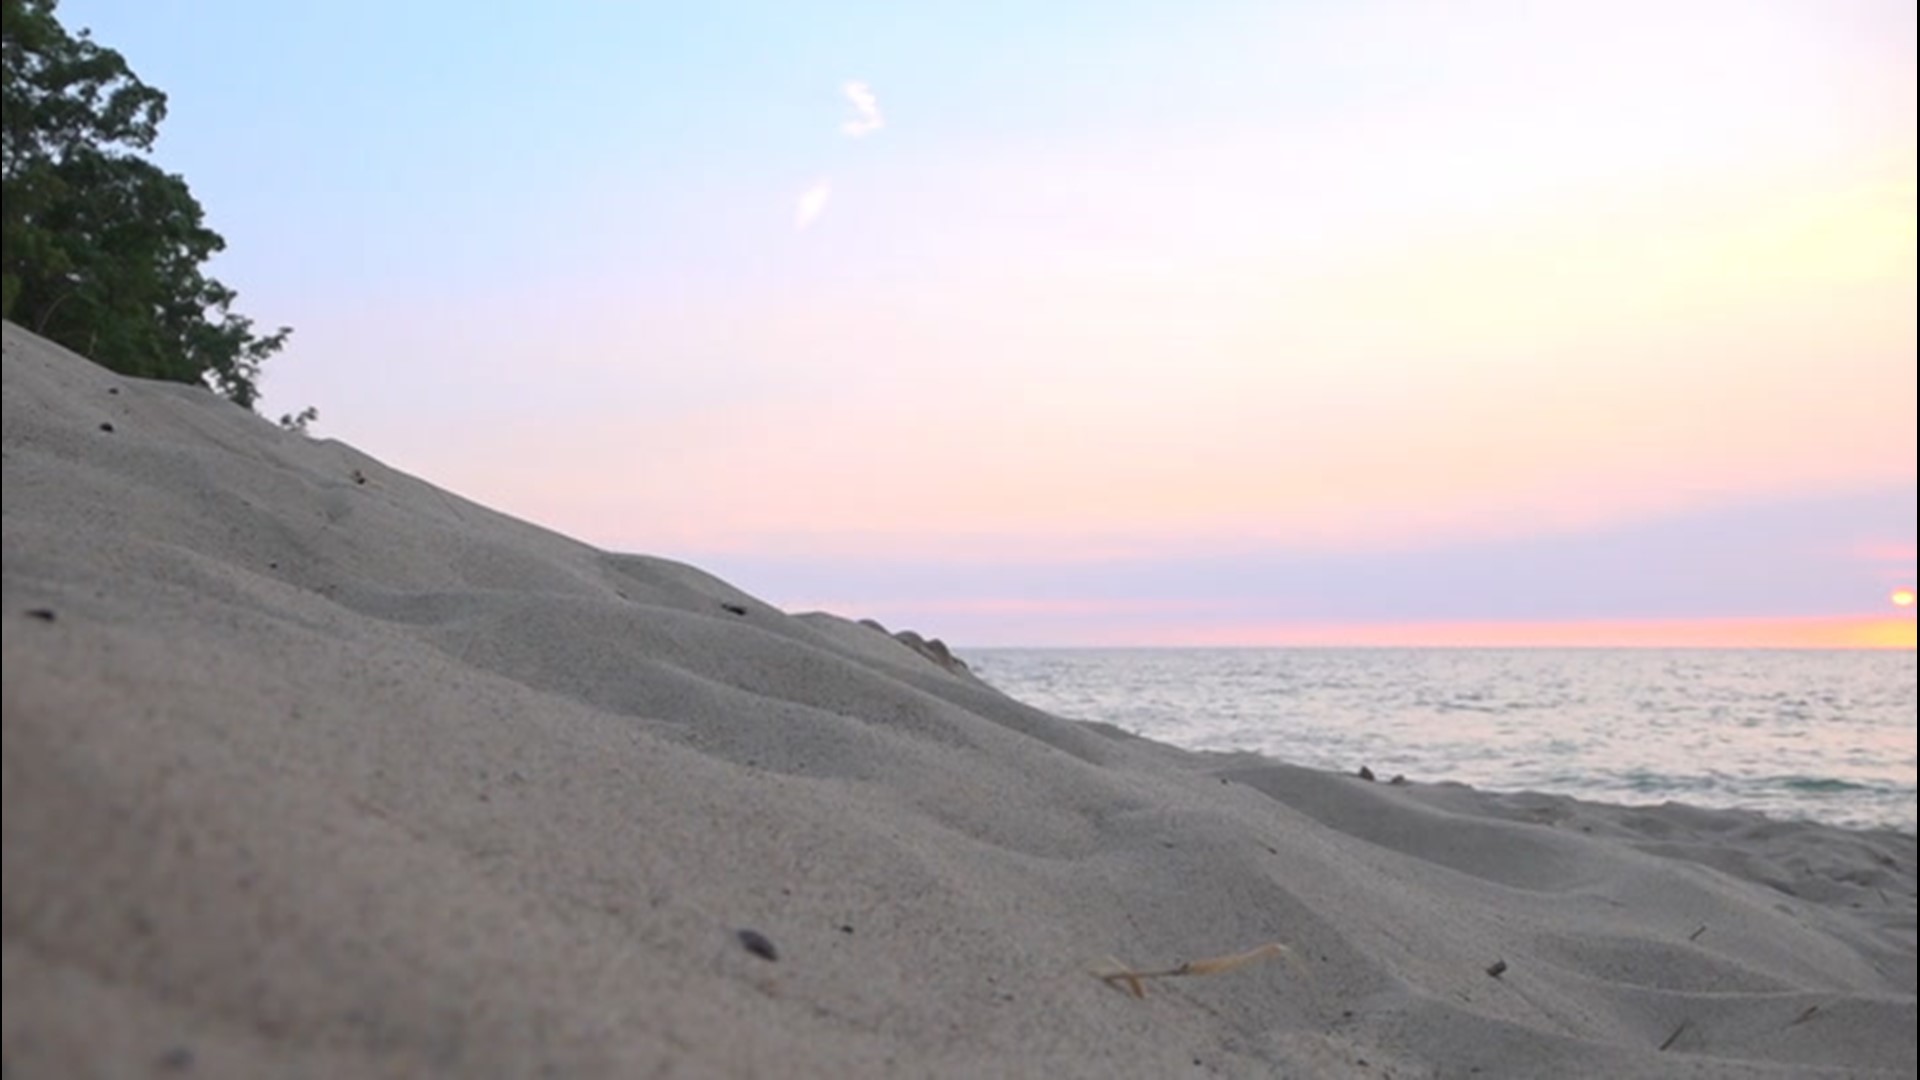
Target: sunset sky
x=1305 y=322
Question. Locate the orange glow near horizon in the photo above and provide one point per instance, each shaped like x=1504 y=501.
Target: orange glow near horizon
x=1812 y=632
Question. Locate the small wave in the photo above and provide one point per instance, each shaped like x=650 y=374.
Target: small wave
x=1814 y=784
x=1647 y=782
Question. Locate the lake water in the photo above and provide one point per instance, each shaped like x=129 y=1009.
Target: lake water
x=1826 y=736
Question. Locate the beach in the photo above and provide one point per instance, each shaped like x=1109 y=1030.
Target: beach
x=314 y=769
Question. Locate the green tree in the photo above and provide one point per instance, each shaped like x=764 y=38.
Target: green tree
x=100 y=249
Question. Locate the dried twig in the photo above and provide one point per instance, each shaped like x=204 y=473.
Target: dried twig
x=1118 y=975
x=1671 y=1039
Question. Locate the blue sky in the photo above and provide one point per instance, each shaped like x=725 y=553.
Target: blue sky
x=1109 y=322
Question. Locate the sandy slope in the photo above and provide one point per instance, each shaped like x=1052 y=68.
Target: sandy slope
x=313 y=769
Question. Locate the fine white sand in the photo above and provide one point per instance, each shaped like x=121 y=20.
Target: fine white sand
x=312 y=769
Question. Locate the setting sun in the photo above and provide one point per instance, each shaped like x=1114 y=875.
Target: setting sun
x=1901 y=598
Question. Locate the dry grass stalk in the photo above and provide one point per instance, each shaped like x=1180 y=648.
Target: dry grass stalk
x=1118 y=975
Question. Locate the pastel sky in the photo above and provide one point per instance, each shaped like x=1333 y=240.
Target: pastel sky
x=1304 y=322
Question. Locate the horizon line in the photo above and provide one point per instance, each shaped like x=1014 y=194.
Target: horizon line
x=1803 y=633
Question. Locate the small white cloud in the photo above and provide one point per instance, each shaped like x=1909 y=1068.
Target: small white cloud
x=866 y=108
x=813 y=203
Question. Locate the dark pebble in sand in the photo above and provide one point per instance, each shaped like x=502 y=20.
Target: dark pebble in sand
x=41 y=613
x=1497 y=968
x=734 y=609
x=1366 y=773
x=758 y=944
x=104 y=426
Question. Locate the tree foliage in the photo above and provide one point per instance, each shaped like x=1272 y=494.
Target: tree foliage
x=100 y=249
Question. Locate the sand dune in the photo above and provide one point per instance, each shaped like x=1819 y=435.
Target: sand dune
x=312 y=769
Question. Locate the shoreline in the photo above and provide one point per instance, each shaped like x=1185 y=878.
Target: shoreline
x=1731 y=731
x=314 y=769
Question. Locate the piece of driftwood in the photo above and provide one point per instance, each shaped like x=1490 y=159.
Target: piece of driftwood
x=1120 y=976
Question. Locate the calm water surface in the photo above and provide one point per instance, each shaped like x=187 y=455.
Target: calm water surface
x=1827 y=736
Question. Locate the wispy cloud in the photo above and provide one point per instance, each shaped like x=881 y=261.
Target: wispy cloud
x=812 y=203
x=1882 y=551
x=866 y=120
x=866 y=108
